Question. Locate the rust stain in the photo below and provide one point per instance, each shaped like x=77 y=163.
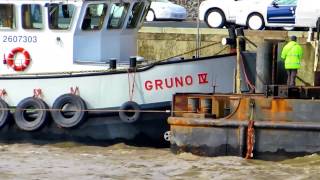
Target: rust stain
x=276 y=105
x=241 y=107
x=280 y=105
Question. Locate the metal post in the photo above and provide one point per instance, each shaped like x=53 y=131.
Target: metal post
x=263 y=66
x=198 y=43
x=316 y=55
x=238 y=78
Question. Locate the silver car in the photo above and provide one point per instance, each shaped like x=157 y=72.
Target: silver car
x=166 y=10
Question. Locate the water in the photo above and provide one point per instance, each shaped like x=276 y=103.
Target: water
x=75 y=161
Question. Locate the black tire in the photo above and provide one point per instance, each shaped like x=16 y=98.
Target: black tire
x=129 y=117
x=73 y=117
x=222 y=16
x=4 y=113
x=259 y=17
x=28 y=119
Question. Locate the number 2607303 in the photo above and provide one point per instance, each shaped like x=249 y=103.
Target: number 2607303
x=20 y=39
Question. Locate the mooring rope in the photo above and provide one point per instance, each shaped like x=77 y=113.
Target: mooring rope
x=93 y=110
x=193 y=50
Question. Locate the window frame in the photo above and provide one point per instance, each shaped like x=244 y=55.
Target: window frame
x=71 y=24
x=123 y=16
x=42 y=17
x=13 y=19
x=105 y=8
x=137 y=19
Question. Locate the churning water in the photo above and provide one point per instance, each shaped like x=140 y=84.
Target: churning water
x=75 y=161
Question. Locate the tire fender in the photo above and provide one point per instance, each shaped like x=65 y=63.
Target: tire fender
x=79 y=111
x=31 y=124
x=4 y=113
x=130 y=117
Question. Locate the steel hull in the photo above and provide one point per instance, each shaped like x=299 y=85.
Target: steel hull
x=283 y=128
x=151 y=87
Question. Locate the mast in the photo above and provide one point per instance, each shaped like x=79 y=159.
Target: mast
x=198 y=43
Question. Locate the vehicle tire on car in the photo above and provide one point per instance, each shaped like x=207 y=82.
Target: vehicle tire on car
x=150 y=16
x=215 y=18
x=255 y=21
x=288 y=28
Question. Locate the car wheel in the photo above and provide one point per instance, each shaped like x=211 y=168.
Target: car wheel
x=215 y=18
x=150 y=16
x=255 y=22
x=288 y=28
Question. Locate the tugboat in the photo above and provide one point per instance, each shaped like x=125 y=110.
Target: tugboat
x=70 y=71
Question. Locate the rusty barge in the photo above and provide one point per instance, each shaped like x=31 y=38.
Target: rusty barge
x=247 y=124
x=272 y=121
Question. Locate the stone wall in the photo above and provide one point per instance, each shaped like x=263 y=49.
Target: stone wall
x=164 y=43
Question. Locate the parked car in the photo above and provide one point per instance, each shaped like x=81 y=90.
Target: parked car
x=218 y=13
x=166 y=10
x=258 y=14
x=281 y=13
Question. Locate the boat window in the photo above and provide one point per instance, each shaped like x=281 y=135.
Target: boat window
x=60 y=15
x=94 y=17
x=31 y=16
x=145 y=12
x=7 y=18
x=118 y=15
x=135 y=15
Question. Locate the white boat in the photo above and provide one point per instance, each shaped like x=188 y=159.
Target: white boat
x=59 y=67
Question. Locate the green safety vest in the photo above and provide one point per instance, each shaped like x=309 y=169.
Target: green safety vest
x=292 y=54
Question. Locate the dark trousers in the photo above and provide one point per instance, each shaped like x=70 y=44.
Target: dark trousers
x=292 y=74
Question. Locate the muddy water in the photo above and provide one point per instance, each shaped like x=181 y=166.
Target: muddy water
x=74 y=161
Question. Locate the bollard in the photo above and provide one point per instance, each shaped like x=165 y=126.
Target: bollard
x=113 y=64
x=133 y=62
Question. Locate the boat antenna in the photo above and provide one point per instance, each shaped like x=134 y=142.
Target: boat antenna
x=198 y=44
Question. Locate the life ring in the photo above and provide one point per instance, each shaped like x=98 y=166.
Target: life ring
x=69 y=110
x=11 y=59
x=130 y=112
x=27 y=119
x=4 y=113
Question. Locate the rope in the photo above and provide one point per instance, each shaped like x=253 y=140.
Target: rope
x=131 y=85
x=92 y=110
x=250 y=133
x=251 y=86
x=250 y=140
x=193 y=50
x=2 y=93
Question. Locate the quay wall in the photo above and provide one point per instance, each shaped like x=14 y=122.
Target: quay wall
x=161 y=43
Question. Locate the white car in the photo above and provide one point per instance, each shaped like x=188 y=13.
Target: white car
x=280 y=13
x=218 y=13
x=166 y=10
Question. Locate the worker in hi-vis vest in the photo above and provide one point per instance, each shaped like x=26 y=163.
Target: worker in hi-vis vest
x=292 y=54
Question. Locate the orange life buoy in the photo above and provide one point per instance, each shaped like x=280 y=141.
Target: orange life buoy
x=11 y=60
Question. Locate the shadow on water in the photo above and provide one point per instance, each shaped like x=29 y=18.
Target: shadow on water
x=139 y=141
x=51 y=134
